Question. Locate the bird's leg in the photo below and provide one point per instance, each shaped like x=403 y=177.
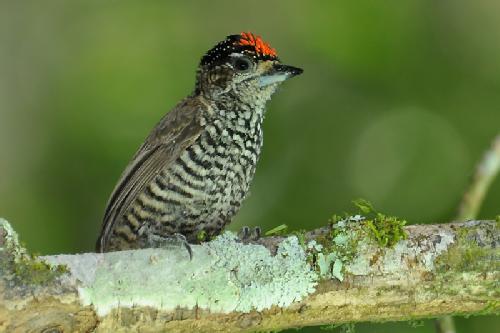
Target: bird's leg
x=158 y=241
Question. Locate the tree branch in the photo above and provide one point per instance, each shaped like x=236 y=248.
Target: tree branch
x=331 y=275
x=486 y=171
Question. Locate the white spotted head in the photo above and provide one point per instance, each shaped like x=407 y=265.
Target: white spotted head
x=244 y=65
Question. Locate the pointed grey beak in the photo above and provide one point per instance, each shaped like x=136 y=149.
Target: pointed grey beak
x=279 y=73
x=290 y=70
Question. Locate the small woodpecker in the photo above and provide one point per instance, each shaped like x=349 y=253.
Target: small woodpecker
x=194 y=169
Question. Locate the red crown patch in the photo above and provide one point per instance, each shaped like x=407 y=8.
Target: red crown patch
x=260 y=47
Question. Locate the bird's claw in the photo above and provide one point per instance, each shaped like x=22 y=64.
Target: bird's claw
x=246 y=234
x=176 y=239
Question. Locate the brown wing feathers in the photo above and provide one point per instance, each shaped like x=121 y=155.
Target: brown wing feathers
x=177 y=130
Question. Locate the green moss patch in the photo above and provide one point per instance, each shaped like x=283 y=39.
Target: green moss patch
x=492 y=307
x=30 y=270
x=23 y=267
x=331 y=252
x=386 y=230
x=277 y=231
x=466 y=254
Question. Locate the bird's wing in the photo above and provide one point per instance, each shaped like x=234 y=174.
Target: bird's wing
x=177 y=130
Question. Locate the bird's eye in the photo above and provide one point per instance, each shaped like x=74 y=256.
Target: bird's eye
x=242 y=64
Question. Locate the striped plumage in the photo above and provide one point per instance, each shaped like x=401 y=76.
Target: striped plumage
x=194 y=169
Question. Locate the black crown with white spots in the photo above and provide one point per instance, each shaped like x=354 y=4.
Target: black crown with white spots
x=220 y=52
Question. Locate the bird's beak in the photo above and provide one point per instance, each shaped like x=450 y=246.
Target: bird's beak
x=279 y=73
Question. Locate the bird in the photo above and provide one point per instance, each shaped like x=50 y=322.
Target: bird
x=192 y=173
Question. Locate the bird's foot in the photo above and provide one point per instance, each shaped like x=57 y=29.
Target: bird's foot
x=157 y=241
x=247 y=235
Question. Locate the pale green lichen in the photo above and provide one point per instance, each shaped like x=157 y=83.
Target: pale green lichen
x=360 y=264
x=351 y=235
x=466 y=254
x=423 y=252
x=429 y=257
x=264 y=280
x=314 y=246
x=223 y=276
x=338 y=247
x=325 y=265
x=337 y=269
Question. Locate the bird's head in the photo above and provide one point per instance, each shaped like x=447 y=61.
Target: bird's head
x=242 y=65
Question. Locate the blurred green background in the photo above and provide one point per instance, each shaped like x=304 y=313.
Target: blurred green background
x=397 y=103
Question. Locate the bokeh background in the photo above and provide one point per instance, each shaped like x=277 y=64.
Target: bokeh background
x=397 y=103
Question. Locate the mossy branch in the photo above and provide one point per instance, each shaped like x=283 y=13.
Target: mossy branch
x=486 y=171
x=336 y=274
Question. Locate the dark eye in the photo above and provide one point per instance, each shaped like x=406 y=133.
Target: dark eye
x=242 y=64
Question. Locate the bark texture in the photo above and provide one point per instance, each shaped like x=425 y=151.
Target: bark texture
x=329 y=275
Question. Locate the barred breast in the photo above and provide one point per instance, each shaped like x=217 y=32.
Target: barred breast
x=203 y=188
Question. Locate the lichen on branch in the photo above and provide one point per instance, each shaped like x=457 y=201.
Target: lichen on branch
x=328 y=275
